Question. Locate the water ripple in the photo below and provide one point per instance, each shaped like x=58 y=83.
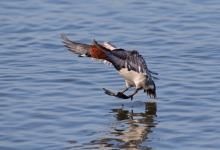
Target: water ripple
x=52 y=99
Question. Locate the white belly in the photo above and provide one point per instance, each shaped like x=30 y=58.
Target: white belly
x=133 y=78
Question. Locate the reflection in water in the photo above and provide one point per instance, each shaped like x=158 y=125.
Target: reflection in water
x=131 y=128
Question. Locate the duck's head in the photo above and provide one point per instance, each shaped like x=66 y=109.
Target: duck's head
x=150 y=88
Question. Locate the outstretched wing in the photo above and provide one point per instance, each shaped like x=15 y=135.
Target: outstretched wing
x=121 y=58
x=77 y=48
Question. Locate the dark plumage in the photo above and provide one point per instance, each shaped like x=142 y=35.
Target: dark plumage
x=121 y=58
x=132 y=67
x=129 y=64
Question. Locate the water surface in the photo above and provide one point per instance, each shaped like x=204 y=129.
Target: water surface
x=51 y=99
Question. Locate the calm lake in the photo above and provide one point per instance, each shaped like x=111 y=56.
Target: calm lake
x=52 y=99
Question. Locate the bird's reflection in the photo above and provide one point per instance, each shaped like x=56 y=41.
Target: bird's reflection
x=131 y=128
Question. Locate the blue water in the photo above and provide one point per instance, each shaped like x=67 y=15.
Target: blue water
x=51 y=99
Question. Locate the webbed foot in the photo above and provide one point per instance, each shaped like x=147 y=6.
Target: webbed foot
x=119 y=94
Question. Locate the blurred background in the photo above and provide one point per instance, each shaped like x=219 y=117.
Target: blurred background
x=52 y=99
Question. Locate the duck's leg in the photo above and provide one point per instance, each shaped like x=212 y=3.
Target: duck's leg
x=135 y=92
x=124 y=90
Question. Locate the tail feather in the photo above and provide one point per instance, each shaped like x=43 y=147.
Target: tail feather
x=77 y=48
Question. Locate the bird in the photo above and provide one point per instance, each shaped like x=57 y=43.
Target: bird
x=128 y=63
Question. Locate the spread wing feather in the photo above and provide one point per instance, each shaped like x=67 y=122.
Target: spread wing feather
x=121 y=58
x=77 y=48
